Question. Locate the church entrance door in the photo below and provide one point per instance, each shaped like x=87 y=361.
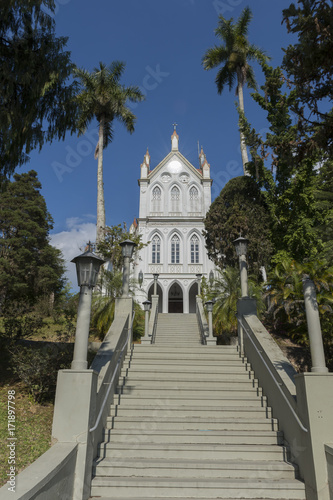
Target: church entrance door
x=175 y=299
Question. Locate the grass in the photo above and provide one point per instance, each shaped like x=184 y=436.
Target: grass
x=33 y=424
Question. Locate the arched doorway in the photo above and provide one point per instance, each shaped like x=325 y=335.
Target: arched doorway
x=175 y=299
x=192 y=301
x=160 y=296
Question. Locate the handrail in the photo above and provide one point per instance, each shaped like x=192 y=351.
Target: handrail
x=274 y=379
x=200 y=322
x=153 y=334
x=113 y=376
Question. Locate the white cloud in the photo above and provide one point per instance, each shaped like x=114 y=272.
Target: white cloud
x=72 y=242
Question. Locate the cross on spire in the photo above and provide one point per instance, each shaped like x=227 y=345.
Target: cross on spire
x=174 y=126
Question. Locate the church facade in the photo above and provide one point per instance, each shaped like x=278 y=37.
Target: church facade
x=174 y=199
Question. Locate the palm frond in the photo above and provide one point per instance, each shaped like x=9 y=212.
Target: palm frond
x=242 y=26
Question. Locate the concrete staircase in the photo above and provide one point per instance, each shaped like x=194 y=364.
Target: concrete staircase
x=190 y=422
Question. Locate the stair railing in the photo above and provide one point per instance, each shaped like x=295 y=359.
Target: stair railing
x=115 y=371
x=278 y=384
x=153 y=318
x=202 y=322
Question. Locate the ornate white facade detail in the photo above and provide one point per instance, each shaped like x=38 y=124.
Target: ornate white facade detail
x=174 y=199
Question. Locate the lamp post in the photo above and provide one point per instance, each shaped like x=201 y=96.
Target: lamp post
x=140 y=278
x=155 y=276
x=199 y=276
x=146 y=305
x=241 y=250
x=209 y=304
x=127 y=248
x=87 y=268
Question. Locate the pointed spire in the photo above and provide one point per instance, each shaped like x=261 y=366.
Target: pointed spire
x=174 y=139
x=147 y=158
x=145 y=165
x=204 y=165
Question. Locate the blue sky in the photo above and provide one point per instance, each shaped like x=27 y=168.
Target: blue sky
x=162 y=43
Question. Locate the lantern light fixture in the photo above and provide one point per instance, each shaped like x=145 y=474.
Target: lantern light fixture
x=87 y=268
x=140 y=278
x=127 y=247
x=241 y=245
x=146 y=305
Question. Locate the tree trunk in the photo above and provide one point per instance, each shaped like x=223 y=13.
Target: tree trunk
x=245 y=158
x=100 y=224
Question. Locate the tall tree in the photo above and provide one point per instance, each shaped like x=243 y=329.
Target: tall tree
x=36 y=103
x=287 y=174
x=240 y=208
x=309 y=67
x=29 y=266
x=234 y=54
x=104 y=98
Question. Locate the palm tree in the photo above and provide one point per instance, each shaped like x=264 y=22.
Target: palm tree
x=103 y=97
x=234 y=54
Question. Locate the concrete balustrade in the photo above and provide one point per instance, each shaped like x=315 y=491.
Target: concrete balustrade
x=64 y=471
x=303 y=404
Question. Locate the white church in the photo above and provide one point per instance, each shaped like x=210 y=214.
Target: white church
x=174 y=199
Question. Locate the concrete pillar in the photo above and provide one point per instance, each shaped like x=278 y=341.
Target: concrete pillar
x=314 y=328
x=315 y=409
x=82 y=330
x=126 y=275
x=74 y=415
x=245 y=306
x=243 y=275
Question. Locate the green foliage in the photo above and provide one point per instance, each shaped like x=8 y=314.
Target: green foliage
x=287 y=176
x=324 y=200
x=139 y=322
x=112 y=281
x=30 y=267
x=102 y=314
x=239 y=209
x=286 y=310
x=110 y=247
x=235 y=53
x=38 y=367
x=102 y=96
x=36 y=99
x=225 y=291
x=309 y=64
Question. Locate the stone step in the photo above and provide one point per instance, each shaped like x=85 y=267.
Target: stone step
x=142 y=488
x=192 y=373
x=192 y=400
x=220 y=349
x=194 y=468
x=133 y=383
x=192 y=423
x=136 y=449
x=180 y=344
x=161 y=411
x=177 y=392
x=189 y=365
x=197 y=356
x=193 y=437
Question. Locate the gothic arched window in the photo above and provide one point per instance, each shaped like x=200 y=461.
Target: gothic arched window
x=175 y=247
x=194 y=200
x=156 y=200
x=175 y=199
x=156 y=250
x=194 y=249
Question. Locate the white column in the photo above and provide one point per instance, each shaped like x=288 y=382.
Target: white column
x=82 y=330
x=314 y=328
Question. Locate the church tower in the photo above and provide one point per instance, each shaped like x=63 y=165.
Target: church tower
x=174 y=199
